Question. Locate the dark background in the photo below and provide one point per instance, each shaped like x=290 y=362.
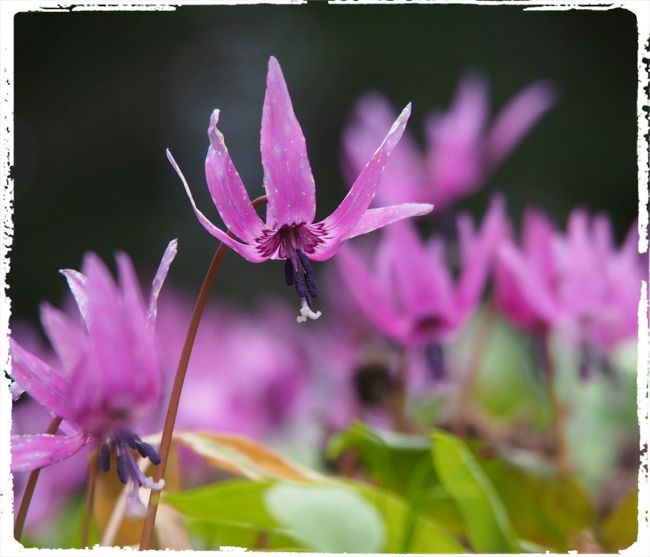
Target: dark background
x=98 y=96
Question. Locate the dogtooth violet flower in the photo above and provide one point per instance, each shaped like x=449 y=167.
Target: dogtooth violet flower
x=461 y=149
x=108 y=373
x=409 y=294
x=578 y=282
x=290 y=232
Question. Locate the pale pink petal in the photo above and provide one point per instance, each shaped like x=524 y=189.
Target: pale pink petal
x=42 y=382
x=365 y=292
x=29 y=452
x=345 y=217
x=373 y=219
x=516 y=119
x=246 y=251
x=288 y=179
x=161 y=274
x=538 y=238
x=467 y=117
x=227 y=190
x=403 y=177
x=64 y=336
x=77 y=285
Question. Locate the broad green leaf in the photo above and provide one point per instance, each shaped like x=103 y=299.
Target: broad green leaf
x=619 y=530
x=486 y=521
x=545 y=508
x=211 y=536
x=327 y=518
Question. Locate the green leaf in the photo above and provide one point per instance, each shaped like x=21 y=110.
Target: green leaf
x=327 y=518
x=619 y=530
x=486 y=521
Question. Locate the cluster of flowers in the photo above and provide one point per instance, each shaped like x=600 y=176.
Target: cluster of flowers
x=113 y=355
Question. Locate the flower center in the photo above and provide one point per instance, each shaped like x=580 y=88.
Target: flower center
x=121 y=444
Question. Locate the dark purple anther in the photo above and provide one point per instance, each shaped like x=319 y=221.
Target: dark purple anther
x=301 y=287
x=122 y=470
x=147 y=451
x=304 y=261
x=436 y=359
x=105 y=457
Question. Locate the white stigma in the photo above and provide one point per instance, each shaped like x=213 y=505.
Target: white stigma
x=306 y=312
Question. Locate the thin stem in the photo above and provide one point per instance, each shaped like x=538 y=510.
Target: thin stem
x=31 y=486
x=562 y=457
x=397 y=402
x=90 y=499
x=174 y=400
x=473 y=368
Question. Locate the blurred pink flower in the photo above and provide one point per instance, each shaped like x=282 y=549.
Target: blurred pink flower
x=461 y=150
x=290 y=232
x=578 y=282
x=409 y=293
x=107 y=374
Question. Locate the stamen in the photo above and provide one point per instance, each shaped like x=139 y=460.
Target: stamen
x=135 y=507
x=306 y=312
x=301 y=287
x=304 y=261
x=436 y=359
x=105 y=457
x=122 y=469
x=147 y=451
x=310 y=281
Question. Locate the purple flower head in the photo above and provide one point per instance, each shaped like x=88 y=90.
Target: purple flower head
x=578 y=282
x=107 y=374
x=290 y=232
x=461 y=149
x=410 y=294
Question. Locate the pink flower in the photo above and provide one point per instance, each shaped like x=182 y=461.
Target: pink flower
x=108 y=374
x=409 y=294
x=461 y=150
x=290 y=232
x=578 y=282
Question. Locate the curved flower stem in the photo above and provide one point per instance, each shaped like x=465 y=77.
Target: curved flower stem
x=174 y=400
x=562 y=457
x=90 y=499
x=30 y=487
x=473 y=367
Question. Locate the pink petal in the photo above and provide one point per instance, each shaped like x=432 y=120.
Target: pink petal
x=288 y=179
x=365 y=292
x=76 y=283
x=63 y=335
x=41 y=381
x=29 y=452
x=246 y=251
x=403 y=177
x=346 y=216
x=227 y=189
x=161 y=274
x=466 y=119
x=516 y=119
x=373 y=219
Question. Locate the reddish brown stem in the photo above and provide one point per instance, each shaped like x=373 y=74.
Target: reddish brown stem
x=30 y=487
x=172 y=410
x=90 y=499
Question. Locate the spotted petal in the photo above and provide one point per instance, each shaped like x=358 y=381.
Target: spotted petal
x=374 y=219
x=29 y=452
x=40 y=380
x=340 y=224
x=287 y=174
x=226 y=188
x=247 y=251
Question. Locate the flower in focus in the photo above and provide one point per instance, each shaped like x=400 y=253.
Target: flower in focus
x=107 y=374
x=579 y=282
x=290 y=232
x=409 y=293
x=461 y=150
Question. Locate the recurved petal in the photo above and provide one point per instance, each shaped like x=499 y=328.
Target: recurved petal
x=245 y=250
x=347 y=215
x=63 y=335
x=226 y=188
x=516 y=119
x=374 y=219
x=29 y=452
x=161 y=274
x=41 y=381
x=287 y=173
x=77 y=285
x=372 y=301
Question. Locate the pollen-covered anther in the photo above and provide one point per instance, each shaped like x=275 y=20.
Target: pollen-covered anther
x=306 y=312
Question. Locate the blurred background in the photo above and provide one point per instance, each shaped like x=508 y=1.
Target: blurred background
x=98 y=97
